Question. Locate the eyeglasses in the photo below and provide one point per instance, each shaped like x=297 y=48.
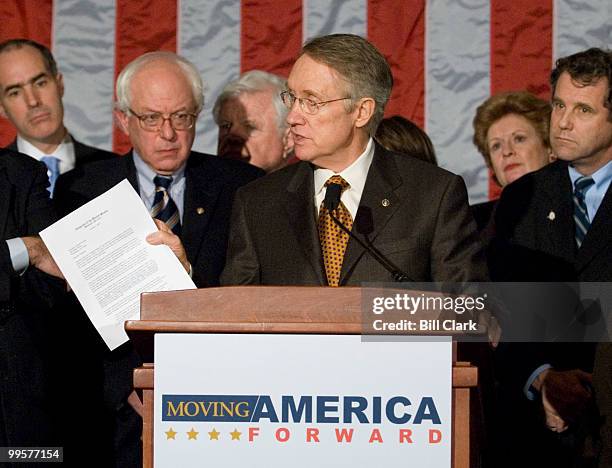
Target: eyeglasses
x=308 y=106
x=154 y=121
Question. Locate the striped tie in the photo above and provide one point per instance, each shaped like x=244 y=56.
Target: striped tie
x=333 y=239
x=164 y=207
x=581 y=215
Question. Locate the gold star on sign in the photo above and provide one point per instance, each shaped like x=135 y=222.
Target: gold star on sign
x=170 y=434
x=192 y=434
x=236 y=434
x=214 y=435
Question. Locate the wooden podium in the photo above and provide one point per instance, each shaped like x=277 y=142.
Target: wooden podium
x=272 y=309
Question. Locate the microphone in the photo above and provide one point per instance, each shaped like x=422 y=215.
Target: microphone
x=331 y=202
x=332 y=197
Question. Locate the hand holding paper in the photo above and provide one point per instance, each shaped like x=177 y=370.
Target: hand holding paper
x=102 y=251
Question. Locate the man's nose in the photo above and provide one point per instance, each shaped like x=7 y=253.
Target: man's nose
x=31 y=95
x=295 y=115
x=166 y=130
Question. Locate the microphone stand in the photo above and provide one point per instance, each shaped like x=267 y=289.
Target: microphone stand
x=398 y=275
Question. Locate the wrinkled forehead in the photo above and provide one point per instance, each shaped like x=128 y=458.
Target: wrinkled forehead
x=163 y=85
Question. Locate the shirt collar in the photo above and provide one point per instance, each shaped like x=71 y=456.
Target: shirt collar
x=64 y=152
x=146 y=174
x=355 y=174
x=601 y=176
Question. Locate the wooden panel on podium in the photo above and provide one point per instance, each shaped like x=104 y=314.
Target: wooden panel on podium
x=270 y=309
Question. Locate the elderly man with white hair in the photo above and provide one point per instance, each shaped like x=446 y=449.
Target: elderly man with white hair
x=252 y=121
x=159 y=97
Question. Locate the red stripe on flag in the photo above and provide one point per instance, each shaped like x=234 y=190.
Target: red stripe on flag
x=142 y=26
x=397 y=28
x=29 y=19
x=521 y=50
x=270 y=35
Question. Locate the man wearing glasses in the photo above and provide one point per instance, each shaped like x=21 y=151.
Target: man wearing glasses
x=159 y=96
x=414 y=214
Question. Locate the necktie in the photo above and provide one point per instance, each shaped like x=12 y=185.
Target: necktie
x=333 y=239
x=52 y=164
x=581 y=215
x=163 y=207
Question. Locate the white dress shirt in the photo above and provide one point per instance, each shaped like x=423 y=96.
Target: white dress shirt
x=356 y=175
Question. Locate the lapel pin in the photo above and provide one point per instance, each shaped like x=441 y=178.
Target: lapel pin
x=551 y=216
x=200 y=210
x=385 y=202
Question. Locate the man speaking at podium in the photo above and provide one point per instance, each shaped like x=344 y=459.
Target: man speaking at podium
x=409 y=220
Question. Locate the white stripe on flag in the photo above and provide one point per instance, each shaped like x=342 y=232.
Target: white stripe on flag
x=84 y=48
x=323 y=17
x=209 y=36
x=580 y=25
x=457 y=64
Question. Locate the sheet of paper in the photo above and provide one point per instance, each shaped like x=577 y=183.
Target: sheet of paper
x=101 y=250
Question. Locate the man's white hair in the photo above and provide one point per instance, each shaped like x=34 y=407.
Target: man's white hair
x=122 y=87
x=256 y=81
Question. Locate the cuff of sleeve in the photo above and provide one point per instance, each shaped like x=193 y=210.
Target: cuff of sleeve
x=529 y=391
x=190 y=271
x=19 y=255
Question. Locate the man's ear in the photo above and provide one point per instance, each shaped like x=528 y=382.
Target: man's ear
x=364 y=111
x=59 y=78
x=551 y=155
x=2 y=111
x=121 y=118
x=288 y=143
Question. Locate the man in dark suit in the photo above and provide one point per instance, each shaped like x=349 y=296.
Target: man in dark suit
x=31 y=91
x=415 y=214
x=25 y=407
x=554 y=225
x=159 y=96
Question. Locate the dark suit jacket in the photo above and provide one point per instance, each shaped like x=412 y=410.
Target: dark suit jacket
x=602 y=382
x=209 y=191
x=210 y=185
x=24 y=400
x=534 y=241
x=483 y=213
x=424 y=227
x=83 y=153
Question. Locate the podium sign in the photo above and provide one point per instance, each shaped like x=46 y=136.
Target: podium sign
x=305 y=400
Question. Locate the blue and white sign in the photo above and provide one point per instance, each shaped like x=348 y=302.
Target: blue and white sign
x=301 y=400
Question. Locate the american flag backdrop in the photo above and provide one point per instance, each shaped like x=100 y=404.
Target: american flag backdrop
x=447 y=56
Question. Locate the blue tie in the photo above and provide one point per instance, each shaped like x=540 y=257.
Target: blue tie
x=52 y=164
x=581 y=215
x=163 y=207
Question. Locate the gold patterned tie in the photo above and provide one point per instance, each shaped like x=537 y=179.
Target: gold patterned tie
x=333 y=238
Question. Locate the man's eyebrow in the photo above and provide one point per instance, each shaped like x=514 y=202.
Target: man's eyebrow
x=30 y=81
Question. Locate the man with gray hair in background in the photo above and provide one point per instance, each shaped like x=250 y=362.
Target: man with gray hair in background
x=252 y=121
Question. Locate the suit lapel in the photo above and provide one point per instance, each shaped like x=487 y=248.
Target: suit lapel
x=301 y=214
x=80 y=152
x=5 y=199
x=378 y=204
x=598 y=236
x=558 y=213
x=202 y=189
x=130 y=171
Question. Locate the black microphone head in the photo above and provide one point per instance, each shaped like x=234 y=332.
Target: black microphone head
x=332 y=197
